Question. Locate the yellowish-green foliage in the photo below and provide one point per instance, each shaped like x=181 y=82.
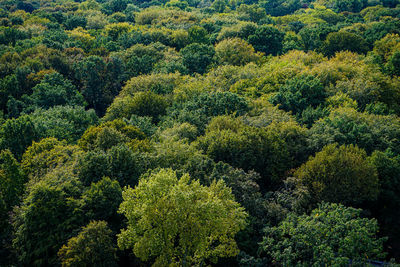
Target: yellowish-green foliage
x=96 y=20
x=141 y=104
x=237 y=30
x=235 y=52
x=93 y=246
x=169 y=17
x=116 y=29
x=344 y=66
x=109 y=134
x=372 y=13
x=237 y=79
x=43 y=156
x=340 y=99
x=340 y=174
x=156 y=83
x=279 y=69
x=319 y=14
x=386 y=46
x=178 y=221
x=89 y=5
x=81 y=35
x=36 y=20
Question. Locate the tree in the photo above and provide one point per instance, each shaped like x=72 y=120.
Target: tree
x=387 y=207
x=63 y=122
x=201 y=108
x=93 y=246
x=47 y=218
x=250 y=148
x=140 y=59
x=380 y=29
x=235 y=52
x=44 y=156
x=345 y=5
x=101 y=202
x=347 y=126
x=312 y=36
x=101 y=81
x=141 y=104
x=73 y=22
x=197 y=34
x=12 y=181
x=393 y=64
x=343 y=40
x=53 y=90
x=179 y=221
x=109 y=134
x=332 y=235
x=299 y=93
x=340 y=174
x=280 y=7
x=196 y=57
x=267 y=39
x=11 y=35
x=17 y=134
x=253 y=12
x=114 y=30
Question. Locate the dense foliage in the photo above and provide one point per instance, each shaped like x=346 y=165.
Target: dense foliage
x=199 y=132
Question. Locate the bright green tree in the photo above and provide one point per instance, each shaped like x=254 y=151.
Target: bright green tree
x=180 y=222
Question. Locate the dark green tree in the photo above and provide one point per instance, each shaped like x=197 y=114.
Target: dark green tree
x=49 y=215
x=250 y=148
x=101 y=81
x=344 y=41
x=17 y=134
x=331 y=235
x=12 y=180
x=101 y=202
x=393 y=64
x=299 y=93
x=53 y=90
x=197 y=57
x=267 y=39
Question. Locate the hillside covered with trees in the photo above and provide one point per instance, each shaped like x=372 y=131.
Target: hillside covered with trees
x=199 y=132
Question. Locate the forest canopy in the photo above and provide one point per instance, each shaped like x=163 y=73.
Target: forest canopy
x=199 y=132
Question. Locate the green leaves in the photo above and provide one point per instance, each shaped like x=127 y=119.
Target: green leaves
x=93 y=246
x=331 y=235
x=180 y=221
x=250 y=148
x=340 y=174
